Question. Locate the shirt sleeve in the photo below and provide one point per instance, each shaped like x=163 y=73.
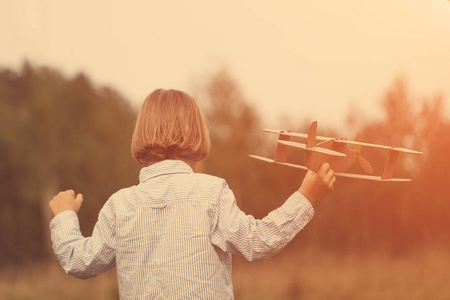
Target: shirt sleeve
x=84 y=257
x=235 y=232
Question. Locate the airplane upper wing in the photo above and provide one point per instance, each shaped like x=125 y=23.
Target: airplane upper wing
x=313 y=148
x=296 y=134
x=399 y=149
x=324 y=138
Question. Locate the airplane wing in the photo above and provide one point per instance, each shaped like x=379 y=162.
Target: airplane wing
x=399 y=149
x=347 y=175
x=296 y=134
x=370 y=177
x=279 y=163
x=313 y=148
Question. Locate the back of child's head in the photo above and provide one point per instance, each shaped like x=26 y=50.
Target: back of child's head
x=170 y=125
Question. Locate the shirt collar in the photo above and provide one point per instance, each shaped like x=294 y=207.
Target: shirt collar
x=164 y=167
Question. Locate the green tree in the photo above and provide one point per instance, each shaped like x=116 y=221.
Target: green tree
x=56 y=134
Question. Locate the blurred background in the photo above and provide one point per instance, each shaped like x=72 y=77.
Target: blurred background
x=73 y=76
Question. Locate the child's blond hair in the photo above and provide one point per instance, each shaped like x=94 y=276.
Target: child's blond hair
x=170 y=125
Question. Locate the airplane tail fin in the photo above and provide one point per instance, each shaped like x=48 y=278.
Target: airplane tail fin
x=312 y=133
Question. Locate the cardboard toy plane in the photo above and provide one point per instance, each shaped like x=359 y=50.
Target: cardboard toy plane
x=334 y=151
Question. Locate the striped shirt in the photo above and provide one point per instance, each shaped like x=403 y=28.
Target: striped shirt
x=172 y=235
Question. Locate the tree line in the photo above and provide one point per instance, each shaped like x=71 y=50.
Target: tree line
x=58 y=133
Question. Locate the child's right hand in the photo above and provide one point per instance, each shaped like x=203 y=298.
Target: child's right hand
x=65 y=201
x=315 y=186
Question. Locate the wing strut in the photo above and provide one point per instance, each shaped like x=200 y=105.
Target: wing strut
x=390 y=164
x=281 y=151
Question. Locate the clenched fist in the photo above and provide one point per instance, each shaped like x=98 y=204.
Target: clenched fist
x=65 y=201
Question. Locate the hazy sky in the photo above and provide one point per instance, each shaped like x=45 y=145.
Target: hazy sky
x=303 y=59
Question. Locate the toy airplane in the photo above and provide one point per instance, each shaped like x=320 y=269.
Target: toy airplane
x=336 y=152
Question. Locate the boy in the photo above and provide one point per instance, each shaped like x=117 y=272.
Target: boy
x=172 y=235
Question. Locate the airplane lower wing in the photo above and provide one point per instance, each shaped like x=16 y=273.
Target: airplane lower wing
x=347 y=175
x=370 y=177
x=279 y=163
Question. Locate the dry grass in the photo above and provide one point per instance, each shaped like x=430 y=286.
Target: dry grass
x=289 y=275
x=50 y=282
x=316 y=276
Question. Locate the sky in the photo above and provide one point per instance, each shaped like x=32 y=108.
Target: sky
x=302 y=59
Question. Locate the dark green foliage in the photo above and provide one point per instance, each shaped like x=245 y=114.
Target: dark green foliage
x=57 y=133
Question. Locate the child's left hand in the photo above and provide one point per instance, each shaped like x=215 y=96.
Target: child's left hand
x=65 y=201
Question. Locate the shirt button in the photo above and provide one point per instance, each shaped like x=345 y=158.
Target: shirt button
x=306 y=218
x=288 y=238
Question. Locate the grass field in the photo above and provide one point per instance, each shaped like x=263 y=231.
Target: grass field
x=289 y=275
x=315 y=276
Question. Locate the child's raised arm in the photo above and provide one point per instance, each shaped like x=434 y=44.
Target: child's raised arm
x=235 y=232
x=80 y=256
